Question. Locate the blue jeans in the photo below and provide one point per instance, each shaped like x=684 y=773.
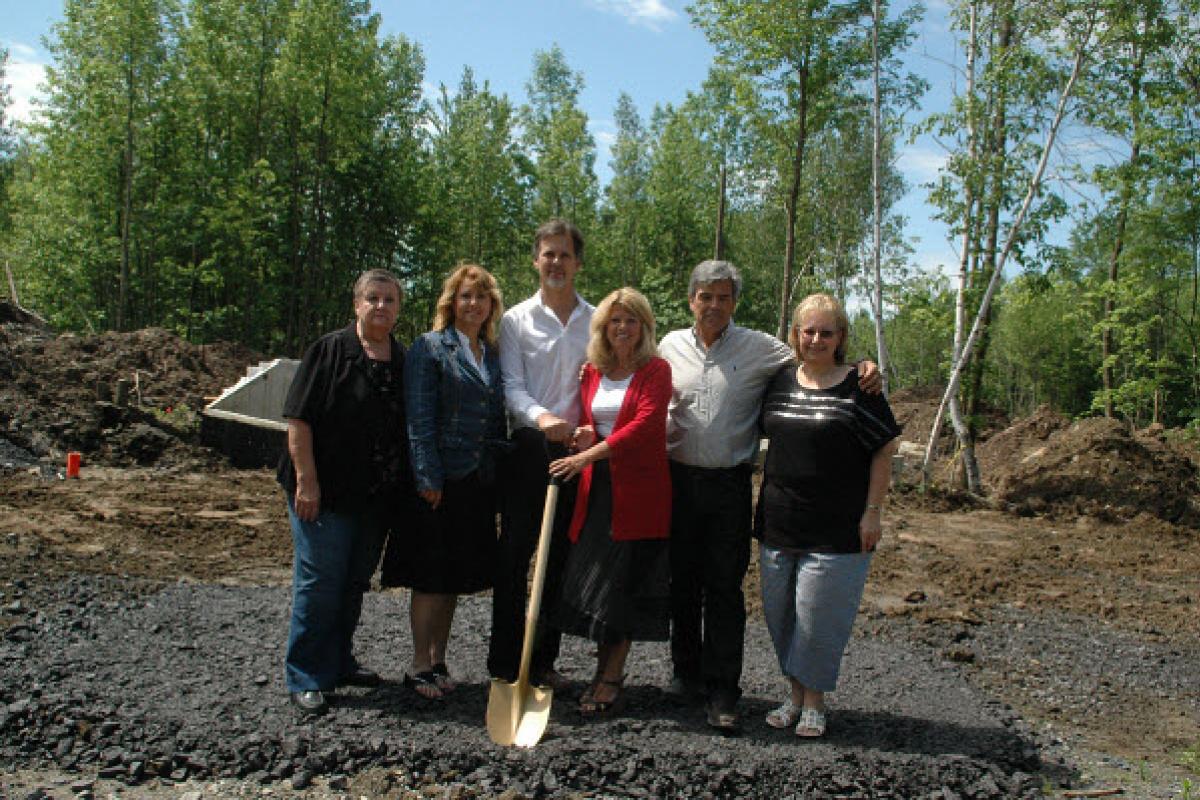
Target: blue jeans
x=335 y=557
x=810 y=601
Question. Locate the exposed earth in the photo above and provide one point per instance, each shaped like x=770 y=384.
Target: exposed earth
x=1045 y=638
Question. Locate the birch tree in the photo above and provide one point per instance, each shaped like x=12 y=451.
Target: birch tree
x=1073 y=31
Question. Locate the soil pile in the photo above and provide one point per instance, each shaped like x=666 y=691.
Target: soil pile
x=1046 y=465
x=119 y=398
x=1094 y=467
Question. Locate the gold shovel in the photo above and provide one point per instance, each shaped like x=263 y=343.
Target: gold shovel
x=517 y=713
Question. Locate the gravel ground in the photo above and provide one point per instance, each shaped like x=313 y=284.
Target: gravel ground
x=174 y=685
x=1096 y=690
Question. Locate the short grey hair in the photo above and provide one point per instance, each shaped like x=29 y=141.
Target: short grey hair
x=711 y=271
x=377 y=276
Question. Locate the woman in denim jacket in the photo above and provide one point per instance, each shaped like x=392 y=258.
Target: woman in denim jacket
x=455 y=405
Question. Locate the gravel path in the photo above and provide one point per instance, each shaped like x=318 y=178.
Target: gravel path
x=185 y=683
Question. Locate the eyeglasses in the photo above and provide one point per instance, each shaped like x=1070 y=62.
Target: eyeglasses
x=816 y=333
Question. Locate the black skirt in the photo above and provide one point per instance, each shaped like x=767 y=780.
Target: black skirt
x=450 y=549
x=614 y=590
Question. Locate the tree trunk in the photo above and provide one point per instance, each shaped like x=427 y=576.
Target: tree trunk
x=877 y=197
x=126 y=194
x=1032 y=190
x=996 y=151
x=719 y=244
x=1114 y=259
x=790 y=204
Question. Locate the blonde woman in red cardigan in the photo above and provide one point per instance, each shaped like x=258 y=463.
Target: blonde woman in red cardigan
x=616 y=589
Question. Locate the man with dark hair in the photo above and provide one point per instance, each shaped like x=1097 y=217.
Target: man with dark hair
x=719 y=372
x=543 y=344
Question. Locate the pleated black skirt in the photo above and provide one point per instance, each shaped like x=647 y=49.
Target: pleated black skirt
x=613 y=591
x=448 y=550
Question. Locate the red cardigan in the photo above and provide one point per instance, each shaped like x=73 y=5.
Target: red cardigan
x=641 y=480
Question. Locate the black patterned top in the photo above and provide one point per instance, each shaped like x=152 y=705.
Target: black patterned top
x=818 y=463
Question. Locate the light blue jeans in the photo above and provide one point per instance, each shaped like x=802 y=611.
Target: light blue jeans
x=810 y=601
x=335 y=556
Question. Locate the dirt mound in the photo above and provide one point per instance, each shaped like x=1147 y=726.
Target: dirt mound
x=1009 y=446
x=914 y=408
x=119 y=398
x=1094 y=467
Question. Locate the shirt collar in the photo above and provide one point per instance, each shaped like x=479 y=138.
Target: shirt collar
x=720 y=338
x=580 y=304
x=463 y=341
x=354 y=348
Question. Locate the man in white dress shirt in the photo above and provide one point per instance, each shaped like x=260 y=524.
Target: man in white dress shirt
x=719 y=372
x=543 y=344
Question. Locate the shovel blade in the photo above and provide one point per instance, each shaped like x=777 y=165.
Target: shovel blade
x=517 y=713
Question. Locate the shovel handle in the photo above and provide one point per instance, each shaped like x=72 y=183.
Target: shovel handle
x=539 y=578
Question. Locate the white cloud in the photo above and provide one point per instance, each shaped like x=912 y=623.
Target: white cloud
x=24 y=74
x=920 y=164
x=651 y=14
x=604 y=139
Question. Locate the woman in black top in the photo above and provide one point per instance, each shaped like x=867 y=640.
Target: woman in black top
x=818 y=519
x=345 y=474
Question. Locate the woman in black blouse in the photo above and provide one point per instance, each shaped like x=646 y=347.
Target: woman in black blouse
x=818 y=519
x=346 y=473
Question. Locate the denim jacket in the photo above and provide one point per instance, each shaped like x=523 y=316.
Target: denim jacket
x=455 y=419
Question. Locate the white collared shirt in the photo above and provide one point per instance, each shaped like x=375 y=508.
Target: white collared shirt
x=478 y=363
x=716 y=394
x=540 y=360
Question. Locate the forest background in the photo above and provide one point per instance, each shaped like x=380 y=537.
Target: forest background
x=225 y=168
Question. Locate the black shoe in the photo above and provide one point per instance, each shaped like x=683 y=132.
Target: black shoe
x=361 y=676
x=311 y=702
x=686 y=690
x=721 y=713
x=551 y=678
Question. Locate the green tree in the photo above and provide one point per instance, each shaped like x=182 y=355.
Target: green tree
x=479 y=207
x=681 y=187
x=1139 y=97
x=1039 y=59
x=625 y=215
x=97 y=159
x=802 y=62
x=557 y=139
x=348 y=161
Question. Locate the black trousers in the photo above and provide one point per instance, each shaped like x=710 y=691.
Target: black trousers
x=710 y=552
x=523 y=478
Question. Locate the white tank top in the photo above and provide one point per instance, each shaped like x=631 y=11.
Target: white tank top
x=607 y=403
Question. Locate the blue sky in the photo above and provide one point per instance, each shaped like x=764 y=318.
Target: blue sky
x=647 y=48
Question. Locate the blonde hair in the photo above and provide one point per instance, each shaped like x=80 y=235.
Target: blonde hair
x=830 y=305
x=599 y=351
x=443 y=315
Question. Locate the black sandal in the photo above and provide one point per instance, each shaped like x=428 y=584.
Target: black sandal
x=424 y=680
x=590 y=706
x=441 y=676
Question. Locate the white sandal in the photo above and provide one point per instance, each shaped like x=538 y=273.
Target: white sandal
x=811 y=724
x=785 y=716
